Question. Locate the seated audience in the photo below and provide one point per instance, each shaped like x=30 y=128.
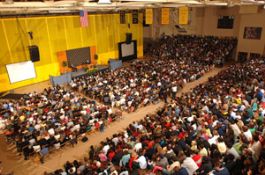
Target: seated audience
x=181 y=59
x=217 y=128
x=39 y=122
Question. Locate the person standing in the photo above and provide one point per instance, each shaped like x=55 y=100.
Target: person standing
x=91 y=153
x=174 y=89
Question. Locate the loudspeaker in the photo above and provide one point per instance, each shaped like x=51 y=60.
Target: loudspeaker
x=128 y=38
x=34 y=53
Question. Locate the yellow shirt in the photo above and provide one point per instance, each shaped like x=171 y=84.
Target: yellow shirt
x=22 y=118
x=238 y=100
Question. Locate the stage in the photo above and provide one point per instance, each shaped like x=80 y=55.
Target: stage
x=67 y=77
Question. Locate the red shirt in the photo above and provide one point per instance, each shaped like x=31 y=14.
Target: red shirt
x=135 y=134
x=262 y=104
x=168 y=125
x=150 y=144
x=111 y=155
x=97 y=125
x=197 y=159
x=131 y=161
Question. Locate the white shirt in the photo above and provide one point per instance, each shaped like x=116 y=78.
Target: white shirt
x=174 y=89
x=37 y=127
x=115 y=140
x=146 y=100
x=51 y=132
x=124 y=173
x=122 y=101
x=256 y=147
x=190 y=165
x=213 y=140
x=263 y=113
x=138 y=146
x=109 y=111
x=105 y=149
x=233 y=152
x=248 y=135
x=236 y=129
x=142 y=162
x=233 y=115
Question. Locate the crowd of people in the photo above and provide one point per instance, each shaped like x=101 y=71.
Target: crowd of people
x=180 y=60
x=39 y=122
x=204 y=49
x=140 y=83
x=217 y=128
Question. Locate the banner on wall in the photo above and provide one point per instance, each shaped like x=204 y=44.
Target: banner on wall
x=135 y=17
x=83 y=18
x=148 y=16
x=183 y=15
x=122 y=17
x=165 y=16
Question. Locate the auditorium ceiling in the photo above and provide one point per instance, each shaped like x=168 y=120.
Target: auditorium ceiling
x=99 y=6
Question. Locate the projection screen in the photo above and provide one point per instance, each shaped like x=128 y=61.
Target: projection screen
x=21 y=71
x=127 y=49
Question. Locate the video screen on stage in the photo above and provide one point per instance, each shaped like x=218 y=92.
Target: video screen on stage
x=79 y=56
x=128 y=51
x=21 y=71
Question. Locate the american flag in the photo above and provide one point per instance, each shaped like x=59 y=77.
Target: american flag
x=83 y=18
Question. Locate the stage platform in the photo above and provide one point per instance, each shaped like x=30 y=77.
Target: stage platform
x=67 y=77
x=12 y=96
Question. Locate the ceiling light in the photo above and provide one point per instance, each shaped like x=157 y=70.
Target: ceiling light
x=104 y=2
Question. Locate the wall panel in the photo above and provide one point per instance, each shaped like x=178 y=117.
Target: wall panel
x=59 y=33
x=17 y=39
x=251 y=45
x=5 y=54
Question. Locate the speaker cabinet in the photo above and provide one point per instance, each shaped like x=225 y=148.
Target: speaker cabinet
x=128 y=38
x=34 y=53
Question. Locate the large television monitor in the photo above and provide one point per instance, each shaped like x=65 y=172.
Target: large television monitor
x=127 y=51
x=225 y=22
x=79 y=56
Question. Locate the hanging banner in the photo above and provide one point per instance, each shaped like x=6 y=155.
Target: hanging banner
x=135 y=17
x=165 y=16
x=122 y=17
x=183 y=15
x=148 y=16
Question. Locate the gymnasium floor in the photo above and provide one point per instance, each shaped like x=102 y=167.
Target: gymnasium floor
x=38 y=87
x=12 y=162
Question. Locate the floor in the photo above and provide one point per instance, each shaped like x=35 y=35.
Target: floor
x=12 y=162
x=38 y=87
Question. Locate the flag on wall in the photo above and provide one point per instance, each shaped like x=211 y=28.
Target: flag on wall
x=135 y=17
x=148 y=16
x=122 y=17
x=165 y=16
x=183 y=15
x=83 y=18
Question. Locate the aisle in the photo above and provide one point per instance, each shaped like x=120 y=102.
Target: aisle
x=13 y=162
